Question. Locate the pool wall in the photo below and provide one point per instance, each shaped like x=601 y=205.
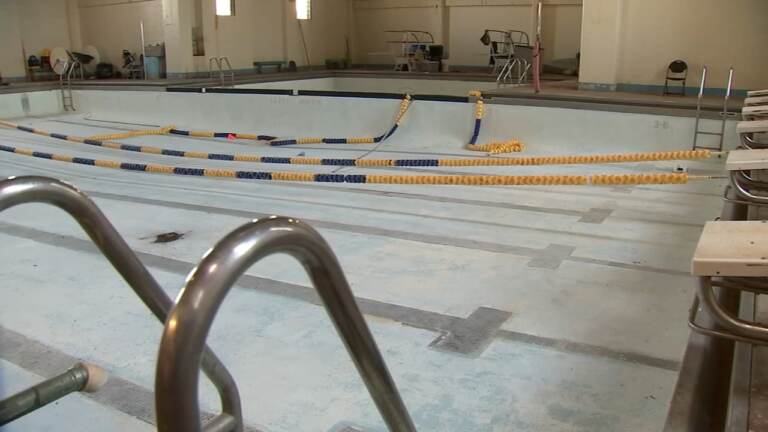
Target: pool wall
x=428 y=124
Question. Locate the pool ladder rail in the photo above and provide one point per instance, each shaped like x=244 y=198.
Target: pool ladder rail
x=68 y=68
x=188 y=324
x=33 y=189
x=182 y=349
x=725 y=114
x=224 y=69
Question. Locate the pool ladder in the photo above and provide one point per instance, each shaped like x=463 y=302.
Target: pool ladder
x=65 y=82
x=32 y=189
x=222 y=68
x=724 y=114
x=187 y=323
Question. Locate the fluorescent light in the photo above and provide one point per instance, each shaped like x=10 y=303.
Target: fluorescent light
x=303 y=9
x=225 y=7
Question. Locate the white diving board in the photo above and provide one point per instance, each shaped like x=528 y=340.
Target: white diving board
x=732 y=248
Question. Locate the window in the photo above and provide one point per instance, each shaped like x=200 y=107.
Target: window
x=303 y=9
x=225 y=7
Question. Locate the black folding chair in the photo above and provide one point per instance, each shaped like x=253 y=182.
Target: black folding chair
x=677 y=71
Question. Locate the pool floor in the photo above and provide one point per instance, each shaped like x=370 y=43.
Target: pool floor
x=497 y=309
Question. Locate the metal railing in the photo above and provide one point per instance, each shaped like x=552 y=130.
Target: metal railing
x=188 y=324
x=33 y=189
x=65 y=82
x=223 y=69
x=724 y=114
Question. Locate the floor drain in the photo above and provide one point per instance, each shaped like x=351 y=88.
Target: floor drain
x=168 y=237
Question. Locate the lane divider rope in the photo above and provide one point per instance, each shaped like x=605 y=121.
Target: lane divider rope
x=511 y=146
x=275 y=142
x=132 y=134
x=463 y=180
x=465 y=162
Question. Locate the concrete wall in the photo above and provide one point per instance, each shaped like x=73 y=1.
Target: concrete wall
x=29 y=26
x=466 y=21
x=260 y=30
x=112 y=27
x=268 y=30
x=627 y=44
x=11 y=56
x=715 y=33
x=43 y=24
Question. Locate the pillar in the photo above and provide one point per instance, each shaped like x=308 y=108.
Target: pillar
x=600 y=44
x=178 y=17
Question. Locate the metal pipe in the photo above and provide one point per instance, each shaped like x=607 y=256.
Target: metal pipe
x=143 y=50
x=724 y=318
x=743 y=192
x=188 y=324
x=750 y=143
x=21 y=190
x=51 y=390
x=725 y=106
x=698 y=106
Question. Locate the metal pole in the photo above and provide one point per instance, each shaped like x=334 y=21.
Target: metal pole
x=143 y=49
x=188 y=324
x=21 y=190
x=51 y=390
x=725 y=106
x=537 y=52
x=724 y=318
x=698 y=106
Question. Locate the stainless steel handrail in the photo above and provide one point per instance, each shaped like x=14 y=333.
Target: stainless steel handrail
x=698 y=106
x=229 y=72
x=176 y=382
x=724 y=318
x=21 y=190
x=725 y=112
x=738 y=179
x=211 y=61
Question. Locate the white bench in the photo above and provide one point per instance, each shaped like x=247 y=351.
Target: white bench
x=737 y=254
x=759 y=100
x=756 y=112
x=757 y=93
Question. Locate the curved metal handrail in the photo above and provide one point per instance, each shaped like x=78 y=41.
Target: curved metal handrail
x=738 y=179
x=415 y=34
x=21 y=190
x=751 y=143
x=206 y=287
x=724 y=318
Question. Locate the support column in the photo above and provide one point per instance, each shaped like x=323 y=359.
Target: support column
x=600 y=44
x=177 y=31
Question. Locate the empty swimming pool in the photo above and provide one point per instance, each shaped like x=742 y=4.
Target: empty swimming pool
x=497 y=308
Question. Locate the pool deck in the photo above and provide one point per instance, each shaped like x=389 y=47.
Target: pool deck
x=557 y=90
x=553 y=309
